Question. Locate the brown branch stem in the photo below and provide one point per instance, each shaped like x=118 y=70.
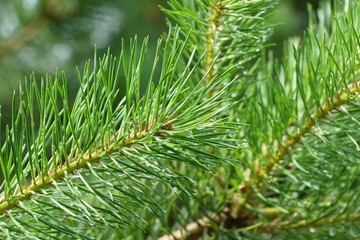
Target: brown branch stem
x=194 y=229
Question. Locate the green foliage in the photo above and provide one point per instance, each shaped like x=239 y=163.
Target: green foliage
x=232 y=32
x=223 y=142
x=135 y=140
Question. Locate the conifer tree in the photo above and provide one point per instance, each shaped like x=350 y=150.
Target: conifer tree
x=218 y=140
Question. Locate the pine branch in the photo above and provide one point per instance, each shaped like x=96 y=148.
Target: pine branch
x=71 y=167
x=318 y=107
x=105 y=142
x=232 y=33
x=345 y=97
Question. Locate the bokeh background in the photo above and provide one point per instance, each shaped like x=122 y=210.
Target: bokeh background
x=41 y=36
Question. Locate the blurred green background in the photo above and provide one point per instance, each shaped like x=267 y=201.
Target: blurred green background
x=42 y=35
